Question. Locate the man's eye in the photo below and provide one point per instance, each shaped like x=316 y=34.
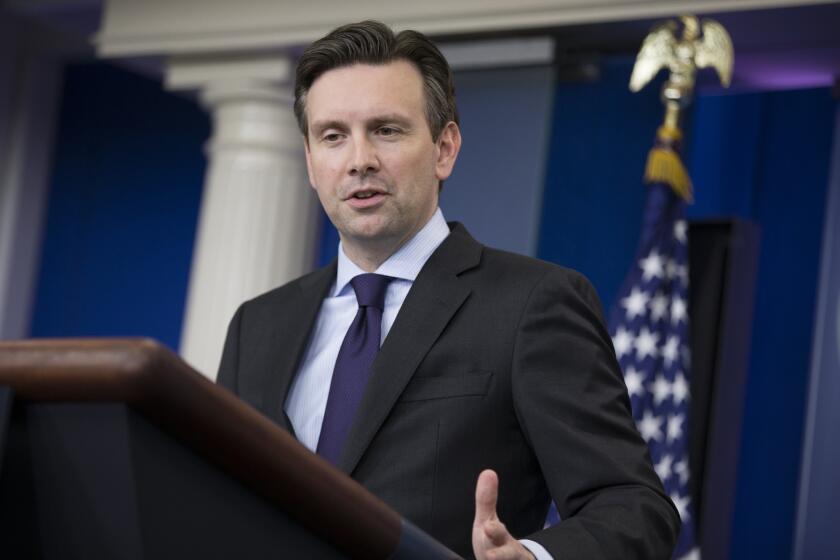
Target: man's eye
x=332 y=137
x=387 y=131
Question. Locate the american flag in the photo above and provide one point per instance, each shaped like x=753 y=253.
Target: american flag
x=649 y=328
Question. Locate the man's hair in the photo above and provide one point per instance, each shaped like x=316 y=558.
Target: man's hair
x=373 y=42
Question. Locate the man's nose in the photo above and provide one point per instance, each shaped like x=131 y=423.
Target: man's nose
x=364 y=160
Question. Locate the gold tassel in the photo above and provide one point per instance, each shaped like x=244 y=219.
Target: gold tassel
x=665 y=166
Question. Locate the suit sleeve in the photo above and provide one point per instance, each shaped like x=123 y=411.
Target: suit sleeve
x=573 y=405
x=229 y=366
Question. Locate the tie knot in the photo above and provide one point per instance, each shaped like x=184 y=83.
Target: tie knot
x=370 y=289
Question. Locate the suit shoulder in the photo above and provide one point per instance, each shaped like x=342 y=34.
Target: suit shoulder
x=522 y=266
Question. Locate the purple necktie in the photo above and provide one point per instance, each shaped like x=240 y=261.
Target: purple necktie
x=352 y=367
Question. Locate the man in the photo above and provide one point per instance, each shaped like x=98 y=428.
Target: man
x=495 y=387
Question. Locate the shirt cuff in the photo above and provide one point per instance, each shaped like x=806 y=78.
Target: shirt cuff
x=539 y=552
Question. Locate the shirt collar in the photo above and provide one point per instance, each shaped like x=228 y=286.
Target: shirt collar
x=405 y=263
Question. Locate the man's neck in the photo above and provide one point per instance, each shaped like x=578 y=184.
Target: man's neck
x=366 y=260
x=370 y=254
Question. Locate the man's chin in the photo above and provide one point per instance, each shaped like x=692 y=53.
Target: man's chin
x=372 y=236
x=370 y=228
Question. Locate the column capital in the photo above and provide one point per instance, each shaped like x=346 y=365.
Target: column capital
x=256 y=73
x=249 y=96
x=214 y=94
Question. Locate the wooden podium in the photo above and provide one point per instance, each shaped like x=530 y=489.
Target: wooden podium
x=118 y=449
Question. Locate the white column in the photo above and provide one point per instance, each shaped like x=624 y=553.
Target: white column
x=258 y=216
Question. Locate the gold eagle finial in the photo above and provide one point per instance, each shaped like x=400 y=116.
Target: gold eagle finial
x=682 y=53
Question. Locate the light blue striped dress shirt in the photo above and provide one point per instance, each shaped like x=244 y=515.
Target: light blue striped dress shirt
x=307 y=398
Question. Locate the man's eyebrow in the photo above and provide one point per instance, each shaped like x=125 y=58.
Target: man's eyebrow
x=320 y=126
x=390 y=119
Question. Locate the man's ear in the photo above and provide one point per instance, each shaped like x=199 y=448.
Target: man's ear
x=448 y=144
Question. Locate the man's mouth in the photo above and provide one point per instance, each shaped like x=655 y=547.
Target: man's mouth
x=366 y=199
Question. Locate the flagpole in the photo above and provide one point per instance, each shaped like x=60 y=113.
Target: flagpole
x=650 y=323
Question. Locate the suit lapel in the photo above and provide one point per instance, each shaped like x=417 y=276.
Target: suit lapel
x=434 y=298
x=289 y=342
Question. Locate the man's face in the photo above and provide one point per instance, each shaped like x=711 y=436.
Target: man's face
x=370 y=153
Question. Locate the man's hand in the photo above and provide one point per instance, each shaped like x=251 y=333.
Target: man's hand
x=490 y=538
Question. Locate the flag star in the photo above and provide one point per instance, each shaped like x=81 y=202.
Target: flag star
x=658 y=306
x=680 y=229
x=663 y=468
x=635 y=303
x=671 y=350
x=652 y=266
x=633 y=379
x=673 y=428
x=650 y=426
x=646 y=343
x=623 y=342
x=679 y=388
x=681 y=468
x=678 y=310
x=661 y=389
x=681 y=503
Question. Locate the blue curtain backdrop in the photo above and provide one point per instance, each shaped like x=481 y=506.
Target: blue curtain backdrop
x=124 y=199
x=760 y=156
x=593 y=198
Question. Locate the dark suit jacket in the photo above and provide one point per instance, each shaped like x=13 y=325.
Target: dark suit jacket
x=495 y=360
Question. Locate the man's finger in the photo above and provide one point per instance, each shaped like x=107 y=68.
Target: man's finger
x=496 y=532
x=486 y=492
